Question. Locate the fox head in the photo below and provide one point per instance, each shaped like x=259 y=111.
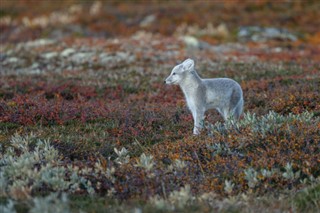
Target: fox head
x=180 y=71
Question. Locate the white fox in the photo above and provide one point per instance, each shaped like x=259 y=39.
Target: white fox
x=222 y=94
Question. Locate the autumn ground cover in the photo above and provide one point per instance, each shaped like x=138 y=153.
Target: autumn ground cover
x=87 y=125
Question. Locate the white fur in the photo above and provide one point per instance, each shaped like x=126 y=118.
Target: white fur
x=222 y=94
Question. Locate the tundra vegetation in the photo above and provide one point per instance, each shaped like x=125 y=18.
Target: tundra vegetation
x=87 y=125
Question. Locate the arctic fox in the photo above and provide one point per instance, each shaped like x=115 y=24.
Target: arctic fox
x=222 y=94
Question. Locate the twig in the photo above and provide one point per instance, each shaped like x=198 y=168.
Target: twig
x=199 y=164
x=163 y=190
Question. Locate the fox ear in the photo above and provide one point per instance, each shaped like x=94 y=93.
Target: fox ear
x=188 y=64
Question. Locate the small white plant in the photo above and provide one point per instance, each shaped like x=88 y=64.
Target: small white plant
x=22 y=142
x=177 y=199
x=228 y=186
x=267 y=173
x=179 y=164
x=248 y=119
x=251 y=177
x=161 y=203
x=182 y=197
x=219 y=149
x=145 y=161
x=222 y=94
x=110 y=174
x=289 y=174
x=263 y=125
x=103 y=170
x=37 y=164
x=51 y=204
x=8 y=208
x=123 y=156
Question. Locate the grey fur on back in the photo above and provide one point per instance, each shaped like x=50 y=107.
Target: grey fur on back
x=223 y=94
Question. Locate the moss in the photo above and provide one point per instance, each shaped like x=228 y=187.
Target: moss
x=308 y=199
x=9 y=126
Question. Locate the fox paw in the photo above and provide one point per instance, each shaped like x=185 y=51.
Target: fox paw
x=196 y=131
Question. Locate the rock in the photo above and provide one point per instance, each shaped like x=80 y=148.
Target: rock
x=67 y=52
x=82 y=57
x=193 y=43
x=229 y=47
x=147 y=21
x=123 y=56
x=105 y=58
x=50 y=55
x=261 y=34
x=166 y=161
x=35 y=65
x=95 y=8
x=142 y=36
x=12 y=60
x=37 y=43
x=2 y=56
x=221 y=31
x=34 y=71
x=118 y=57
x=28 y=71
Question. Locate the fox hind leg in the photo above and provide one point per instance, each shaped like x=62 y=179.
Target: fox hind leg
x=236 y=104
x=238 y=109
x=225 y=113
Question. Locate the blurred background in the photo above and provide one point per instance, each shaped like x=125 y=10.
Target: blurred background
x=211 y=21
x=88 y=75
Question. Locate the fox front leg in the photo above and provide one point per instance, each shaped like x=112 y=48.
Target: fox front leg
x=198 y=117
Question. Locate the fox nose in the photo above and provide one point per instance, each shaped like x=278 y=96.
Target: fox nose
x=164 y=81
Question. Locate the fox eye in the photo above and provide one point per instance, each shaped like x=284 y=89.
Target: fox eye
x=173 y=73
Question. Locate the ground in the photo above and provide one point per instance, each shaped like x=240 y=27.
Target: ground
x=86 y=122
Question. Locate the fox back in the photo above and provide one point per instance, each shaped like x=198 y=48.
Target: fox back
x=225 y=95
